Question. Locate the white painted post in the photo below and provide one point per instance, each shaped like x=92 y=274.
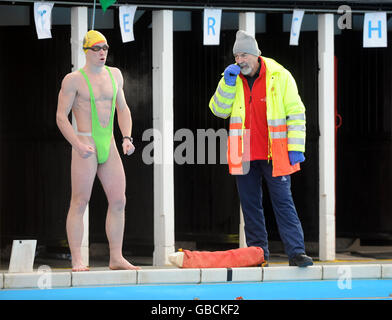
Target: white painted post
x=327 y=137
x=247 y=23
x=79 y=28
x=162 y=52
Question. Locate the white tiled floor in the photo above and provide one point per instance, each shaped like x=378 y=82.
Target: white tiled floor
x=155 y=275
x=213 y=275
x=364 y=271
x=36 y=280
x=108 y=277
x=247 y=274
x=292 y=273
x=386 y=271
x=168 y=276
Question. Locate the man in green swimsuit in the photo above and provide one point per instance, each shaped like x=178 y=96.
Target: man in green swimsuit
x=94 y=93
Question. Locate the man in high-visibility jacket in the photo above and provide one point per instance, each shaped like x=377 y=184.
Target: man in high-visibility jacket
x=266 y=140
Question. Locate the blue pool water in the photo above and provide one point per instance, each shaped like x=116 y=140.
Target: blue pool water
x=293 y=290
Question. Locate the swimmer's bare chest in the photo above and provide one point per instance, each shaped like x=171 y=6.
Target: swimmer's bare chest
x=103 y=93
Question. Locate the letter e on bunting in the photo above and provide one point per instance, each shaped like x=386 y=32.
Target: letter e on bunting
x=126 y=16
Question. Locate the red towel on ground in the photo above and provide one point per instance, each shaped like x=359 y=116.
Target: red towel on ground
x=242 y=257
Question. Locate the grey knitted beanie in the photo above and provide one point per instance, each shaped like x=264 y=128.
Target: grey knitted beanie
x=246 y=44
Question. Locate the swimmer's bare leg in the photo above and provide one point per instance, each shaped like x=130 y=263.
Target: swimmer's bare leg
x=112 y=176
x=82 y=178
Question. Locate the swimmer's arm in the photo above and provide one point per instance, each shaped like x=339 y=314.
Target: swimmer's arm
x=66 y=99
x=124 y=116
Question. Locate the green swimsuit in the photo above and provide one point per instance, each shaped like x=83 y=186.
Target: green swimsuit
x=102 y=135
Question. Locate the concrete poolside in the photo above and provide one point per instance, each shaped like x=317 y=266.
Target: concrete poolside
x=278 y=270
x=358 y=262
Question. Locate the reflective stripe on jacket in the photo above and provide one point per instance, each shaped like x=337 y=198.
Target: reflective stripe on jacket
x=285 y=117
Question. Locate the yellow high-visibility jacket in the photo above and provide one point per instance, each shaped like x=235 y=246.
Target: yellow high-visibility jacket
x=285 y=118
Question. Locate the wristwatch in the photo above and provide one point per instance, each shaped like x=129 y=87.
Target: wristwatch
x=129 y=138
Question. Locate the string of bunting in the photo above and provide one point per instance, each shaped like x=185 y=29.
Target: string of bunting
x=374 y=27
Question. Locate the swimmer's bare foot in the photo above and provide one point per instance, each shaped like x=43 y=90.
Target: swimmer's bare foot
x=121 y=264
x=79 y=267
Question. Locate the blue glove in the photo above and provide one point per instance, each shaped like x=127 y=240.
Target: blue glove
x=231 y=73
x=296 y=156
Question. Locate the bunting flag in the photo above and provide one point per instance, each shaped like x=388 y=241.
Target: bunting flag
x=374 y=27
x=43 y=19
x=375 y=30
x=212 y=26
x=126 y=16
x=106 y=4
x=296 y=27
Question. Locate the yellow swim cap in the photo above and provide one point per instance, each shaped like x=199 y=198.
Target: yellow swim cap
x=92 y=38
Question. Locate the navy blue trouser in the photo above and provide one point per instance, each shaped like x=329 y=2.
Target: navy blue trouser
x=251 y=197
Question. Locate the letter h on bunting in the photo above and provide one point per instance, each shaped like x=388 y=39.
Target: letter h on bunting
x=375 y=30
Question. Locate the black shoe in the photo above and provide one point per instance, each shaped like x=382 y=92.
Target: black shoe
x=301 y=260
